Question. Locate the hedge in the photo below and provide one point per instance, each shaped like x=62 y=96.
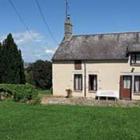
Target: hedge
x=18 y=92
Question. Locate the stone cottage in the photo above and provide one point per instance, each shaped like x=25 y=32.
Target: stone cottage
x=98 y=65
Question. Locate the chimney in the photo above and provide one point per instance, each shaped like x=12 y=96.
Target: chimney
x=68 y=28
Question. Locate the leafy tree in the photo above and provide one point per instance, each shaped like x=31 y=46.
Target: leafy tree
x=11 y=64
x=40 y=74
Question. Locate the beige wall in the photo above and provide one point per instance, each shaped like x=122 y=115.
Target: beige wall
x=108 y=76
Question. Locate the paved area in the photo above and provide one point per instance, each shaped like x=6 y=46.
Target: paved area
x=46 y=100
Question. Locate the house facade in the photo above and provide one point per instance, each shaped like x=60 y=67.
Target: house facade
x=98 y=65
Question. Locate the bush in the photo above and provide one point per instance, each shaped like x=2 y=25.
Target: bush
x=19 y=93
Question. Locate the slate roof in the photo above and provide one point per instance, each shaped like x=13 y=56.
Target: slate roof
x=134 y=48
x=112 y=46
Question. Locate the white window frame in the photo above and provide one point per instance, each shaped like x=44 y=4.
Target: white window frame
x=78 y=82
x=94 y=83
x=137 y=89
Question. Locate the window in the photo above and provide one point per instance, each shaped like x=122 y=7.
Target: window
x=78 y=65
x=137 y=84
x=135 y=58
x=92 y=82
x=78 y=82
x=127 y=82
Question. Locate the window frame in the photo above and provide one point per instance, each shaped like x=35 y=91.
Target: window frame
x=136 y=92
x=127 y=82
x=96 y=86
x=134 y=58
x=75 y=88
x=78 y=65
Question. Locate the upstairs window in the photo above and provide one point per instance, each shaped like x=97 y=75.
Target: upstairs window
x=78 y=65
x=135 y=58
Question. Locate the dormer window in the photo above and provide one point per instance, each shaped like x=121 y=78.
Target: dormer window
x=78 y=65
x=135 y=58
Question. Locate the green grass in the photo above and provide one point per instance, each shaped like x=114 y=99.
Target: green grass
x=28 y=122
x=42 y=93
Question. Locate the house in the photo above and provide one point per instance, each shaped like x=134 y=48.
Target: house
x=97 y=65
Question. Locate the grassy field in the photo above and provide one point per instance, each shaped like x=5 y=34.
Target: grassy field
x=42 y=93
x=28 y=122
x=45 y=92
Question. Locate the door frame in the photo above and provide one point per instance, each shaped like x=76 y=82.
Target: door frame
x=121 y=84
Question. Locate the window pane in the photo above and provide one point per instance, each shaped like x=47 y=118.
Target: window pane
x=76 y=84
x=127 y=82
x=133 y=59
x=137 y=58
x=137 y=84
x=95 y=83
x=80 y=83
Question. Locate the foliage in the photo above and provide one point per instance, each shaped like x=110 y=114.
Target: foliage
x=28 y=122
x=11 y=63
x=40 y=74
x=22 y=93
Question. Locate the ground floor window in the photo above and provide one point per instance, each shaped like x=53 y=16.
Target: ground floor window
x=92 y=82
x=78 y=82
x=137 y=84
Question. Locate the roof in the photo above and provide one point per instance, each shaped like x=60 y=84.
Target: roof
x=112 y=46
x=134 y=48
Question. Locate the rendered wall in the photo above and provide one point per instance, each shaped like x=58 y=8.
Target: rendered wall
x=108 y=77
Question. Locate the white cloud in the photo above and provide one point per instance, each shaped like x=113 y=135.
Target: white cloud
x=26 y=37
x=50 y=51
x=33 y=47
x=2 y=38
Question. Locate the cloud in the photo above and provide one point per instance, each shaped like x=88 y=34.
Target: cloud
x=32 y=52
x=22 y=38
x=2 y=38
x=50 y=51
x=33 y=47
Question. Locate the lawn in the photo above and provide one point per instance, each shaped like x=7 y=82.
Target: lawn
x=45 y=92
x=36 y=122
x=42 y=93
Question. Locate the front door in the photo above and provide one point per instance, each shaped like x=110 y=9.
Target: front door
x=125 y=87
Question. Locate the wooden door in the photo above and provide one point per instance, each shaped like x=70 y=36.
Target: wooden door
x=125 y=87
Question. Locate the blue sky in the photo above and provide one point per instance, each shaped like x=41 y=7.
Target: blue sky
x=88 y=17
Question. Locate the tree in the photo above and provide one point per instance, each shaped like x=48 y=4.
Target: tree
x=11 y=64
x=40 y=74
x=21 y=66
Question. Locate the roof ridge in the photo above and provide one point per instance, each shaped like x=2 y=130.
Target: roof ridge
x=113 y=33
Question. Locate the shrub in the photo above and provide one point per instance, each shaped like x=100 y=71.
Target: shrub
x=22 y=93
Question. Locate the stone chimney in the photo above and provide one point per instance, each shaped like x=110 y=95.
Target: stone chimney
x=68 y=28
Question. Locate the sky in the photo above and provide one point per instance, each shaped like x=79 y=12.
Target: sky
x=88 y=17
